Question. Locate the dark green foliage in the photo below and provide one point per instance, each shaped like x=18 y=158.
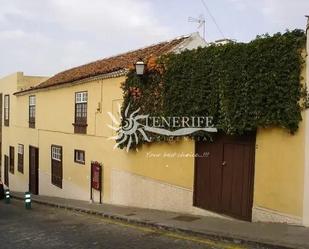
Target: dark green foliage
x=242 y=85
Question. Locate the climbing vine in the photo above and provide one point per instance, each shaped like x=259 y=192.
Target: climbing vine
x=243 y=86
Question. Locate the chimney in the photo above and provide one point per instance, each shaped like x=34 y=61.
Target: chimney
x=307 y=27
x=307 y=56
x=307 y=46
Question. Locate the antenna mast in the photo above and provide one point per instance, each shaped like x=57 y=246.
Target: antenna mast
x=201 y=23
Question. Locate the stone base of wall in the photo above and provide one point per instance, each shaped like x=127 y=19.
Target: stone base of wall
x=260 y=214
x=129 y=189
x=133 y=190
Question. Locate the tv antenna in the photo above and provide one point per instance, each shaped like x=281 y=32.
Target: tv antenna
x=201 y=23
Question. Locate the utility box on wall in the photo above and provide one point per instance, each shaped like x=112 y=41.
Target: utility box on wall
x=96 y=179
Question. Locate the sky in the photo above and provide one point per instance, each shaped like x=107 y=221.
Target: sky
x=45 y=37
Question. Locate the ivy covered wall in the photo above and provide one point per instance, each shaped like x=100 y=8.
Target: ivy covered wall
x=241 y=85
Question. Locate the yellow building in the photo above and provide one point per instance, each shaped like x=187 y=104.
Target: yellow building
x=54 y=129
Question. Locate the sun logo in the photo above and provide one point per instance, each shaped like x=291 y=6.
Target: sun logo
x=128 y=128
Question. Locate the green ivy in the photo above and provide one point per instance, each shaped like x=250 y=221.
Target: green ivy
x=243 y=86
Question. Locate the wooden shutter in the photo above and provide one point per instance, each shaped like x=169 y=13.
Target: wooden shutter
x=32 y=106
x=20 y=158
x=12 y=159
x=56 y=165
x=6 y=170
x=80 y=120
x=33 y=170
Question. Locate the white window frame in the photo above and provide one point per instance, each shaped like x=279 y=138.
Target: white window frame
x=32 y=100
x=56 y=153
x=81 y=97
x=6 y=107
x=32 y=106
x=21 y=149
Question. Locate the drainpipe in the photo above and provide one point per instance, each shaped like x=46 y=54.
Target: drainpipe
x=99 y=107
x=306 y=166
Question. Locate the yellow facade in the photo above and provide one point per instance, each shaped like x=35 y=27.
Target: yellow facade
x=18 y=131
x=280 y=166
x=57 y=129
x=279 y=170
x=164 y=170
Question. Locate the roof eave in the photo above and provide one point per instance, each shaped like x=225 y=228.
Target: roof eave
x=115 y=74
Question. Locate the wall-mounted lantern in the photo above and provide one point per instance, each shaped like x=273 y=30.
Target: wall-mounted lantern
x=140 y=67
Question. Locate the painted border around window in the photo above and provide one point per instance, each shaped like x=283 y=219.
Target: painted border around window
x=75 y=157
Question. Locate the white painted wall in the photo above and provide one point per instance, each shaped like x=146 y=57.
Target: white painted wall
x=306 y=185
x=133 y=190
x=193 y=42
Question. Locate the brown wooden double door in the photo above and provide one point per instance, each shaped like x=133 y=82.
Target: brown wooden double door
x=224 y=174
x=33 y=170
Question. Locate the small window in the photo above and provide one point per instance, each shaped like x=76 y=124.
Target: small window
x=32 y=104
x=80 y=119
x=6 y=110
x=79 y=156
x=20 y=166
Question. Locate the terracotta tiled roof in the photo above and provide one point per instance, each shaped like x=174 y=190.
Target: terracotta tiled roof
x=109 y=65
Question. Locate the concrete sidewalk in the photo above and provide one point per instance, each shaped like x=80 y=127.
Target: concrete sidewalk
x=278 y=235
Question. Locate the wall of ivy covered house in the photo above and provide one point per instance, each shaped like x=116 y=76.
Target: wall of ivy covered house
x=243 y=86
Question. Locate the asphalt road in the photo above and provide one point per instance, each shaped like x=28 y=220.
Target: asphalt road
x=47 y=227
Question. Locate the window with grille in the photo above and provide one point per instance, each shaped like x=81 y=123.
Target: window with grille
x=20 y=165
x=32 y=104
x=12 y=159
x=56 y=165
x=80 y=123
x=6 y=110
x=79 y=156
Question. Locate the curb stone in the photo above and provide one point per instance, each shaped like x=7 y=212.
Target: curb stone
x=164 y=227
